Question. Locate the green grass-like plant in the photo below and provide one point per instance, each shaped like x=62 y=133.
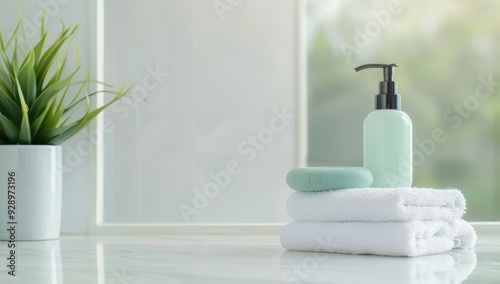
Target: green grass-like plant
x=38 y=103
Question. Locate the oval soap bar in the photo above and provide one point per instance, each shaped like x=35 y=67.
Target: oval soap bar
x=328 y=178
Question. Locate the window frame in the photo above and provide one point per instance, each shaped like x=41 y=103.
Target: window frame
x=95 y=202
x=96 y=225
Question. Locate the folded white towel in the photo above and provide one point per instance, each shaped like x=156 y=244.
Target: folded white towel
x=412 y=238
x=377 y=204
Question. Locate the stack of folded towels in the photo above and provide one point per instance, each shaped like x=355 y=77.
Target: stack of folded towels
x=336 y=211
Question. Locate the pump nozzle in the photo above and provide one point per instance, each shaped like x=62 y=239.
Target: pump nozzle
x=388 y=69
x=388 y=97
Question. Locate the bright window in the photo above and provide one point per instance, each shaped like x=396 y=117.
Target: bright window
x=212 y=127
x=449 y=79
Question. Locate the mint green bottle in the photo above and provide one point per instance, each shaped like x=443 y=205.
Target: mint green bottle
x=387 y=135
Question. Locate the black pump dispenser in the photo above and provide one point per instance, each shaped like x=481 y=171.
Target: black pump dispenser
x=388 y=97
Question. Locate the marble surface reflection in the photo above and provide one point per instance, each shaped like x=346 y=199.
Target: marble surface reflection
x=451 y=267
x=231 y=259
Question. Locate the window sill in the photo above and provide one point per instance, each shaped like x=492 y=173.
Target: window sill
x=488 y=232
x=483 y=229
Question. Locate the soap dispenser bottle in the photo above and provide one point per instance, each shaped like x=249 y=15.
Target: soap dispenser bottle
x=387 y=135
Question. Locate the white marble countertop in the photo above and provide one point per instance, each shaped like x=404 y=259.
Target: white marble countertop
x=120 y=259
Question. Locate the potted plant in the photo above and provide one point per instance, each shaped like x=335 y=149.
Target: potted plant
x=41 y=106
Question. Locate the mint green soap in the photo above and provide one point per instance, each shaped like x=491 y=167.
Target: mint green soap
x=328 y=178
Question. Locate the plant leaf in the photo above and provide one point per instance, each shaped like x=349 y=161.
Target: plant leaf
x=68 y=49
x=35 y=126
x=83 y=122
x=2 y=45
x=7 y=90
x=23 y=28
x=42 y=28
x=57 y=74
x=5 y=61
x=56 y=77
x=14 y=34
x=43 y=99
x=24 y=130
x=9 y=108
x=50 y=134
x=14 y=56
x=51 y=53
x=72 y=105
x=38 y=48
x=3 y=138
x=5 y=75
x=6 y=83
x=54 y=120
x=27 y=78
x=75 y=97
x=44 y=63
x=9 y=129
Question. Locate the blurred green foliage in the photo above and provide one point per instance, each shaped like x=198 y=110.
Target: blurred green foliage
x=446 y=50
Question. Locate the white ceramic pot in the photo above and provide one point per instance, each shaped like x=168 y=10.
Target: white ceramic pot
x=30 y=192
